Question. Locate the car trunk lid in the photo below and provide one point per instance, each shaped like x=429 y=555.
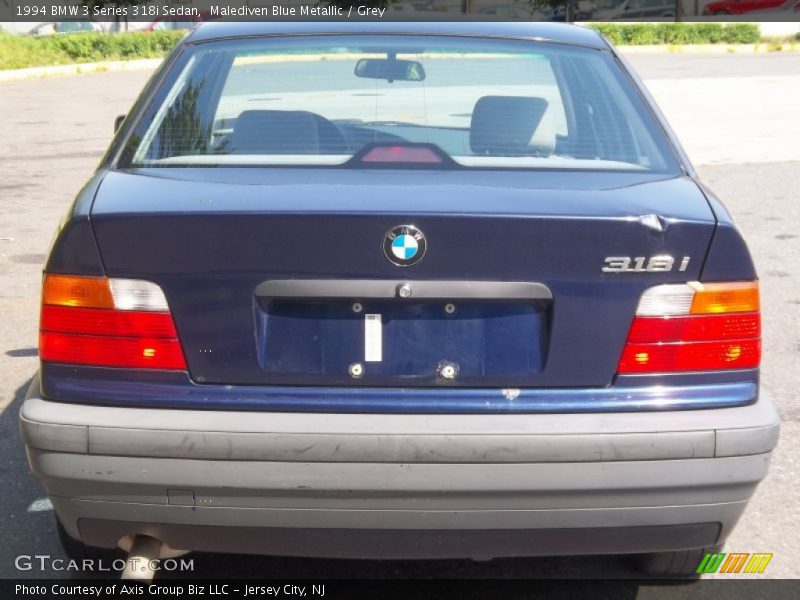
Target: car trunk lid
x=279 y=276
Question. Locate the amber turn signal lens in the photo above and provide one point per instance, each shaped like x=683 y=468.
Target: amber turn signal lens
x=70 y=290
x=731 y=297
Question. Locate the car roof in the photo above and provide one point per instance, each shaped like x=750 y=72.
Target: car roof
x=540 y=31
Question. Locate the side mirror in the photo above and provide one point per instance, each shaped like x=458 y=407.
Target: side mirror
x=390 y=70
x=118 y=122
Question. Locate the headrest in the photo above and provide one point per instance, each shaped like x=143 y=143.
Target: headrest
x=275 y=132
x=505 y=125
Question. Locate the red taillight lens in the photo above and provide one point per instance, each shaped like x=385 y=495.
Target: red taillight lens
x=92 y=321
x=693 y=356
x=649 y=330
x=694 y=327
x=111 y=351
x=107 y=322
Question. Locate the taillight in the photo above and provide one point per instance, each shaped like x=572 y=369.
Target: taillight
x=107 y=322
x=694 y=327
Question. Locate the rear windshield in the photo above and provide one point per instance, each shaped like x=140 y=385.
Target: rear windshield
x=322 y=100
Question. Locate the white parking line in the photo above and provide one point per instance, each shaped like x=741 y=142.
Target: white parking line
x=40 y=505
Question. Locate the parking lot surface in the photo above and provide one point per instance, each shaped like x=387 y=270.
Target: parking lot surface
x=737 y=117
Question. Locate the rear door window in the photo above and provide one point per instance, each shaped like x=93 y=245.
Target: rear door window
x=320 y=100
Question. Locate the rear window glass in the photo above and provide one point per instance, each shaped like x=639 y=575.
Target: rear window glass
x=321 y=100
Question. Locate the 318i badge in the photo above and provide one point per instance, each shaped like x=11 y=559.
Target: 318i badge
x=404 y=245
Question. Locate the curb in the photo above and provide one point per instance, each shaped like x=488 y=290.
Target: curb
x=151 y=63
x=760 y=48
x=144 y=64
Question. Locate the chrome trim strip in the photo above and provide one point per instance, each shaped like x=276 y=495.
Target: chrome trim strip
x=184 y=393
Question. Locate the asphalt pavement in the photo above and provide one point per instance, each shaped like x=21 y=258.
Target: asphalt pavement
x=737 y=117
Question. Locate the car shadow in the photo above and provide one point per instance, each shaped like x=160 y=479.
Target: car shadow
x=29 y=529
x=26 y=519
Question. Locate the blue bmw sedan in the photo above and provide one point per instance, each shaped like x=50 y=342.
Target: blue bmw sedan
x=398 y=290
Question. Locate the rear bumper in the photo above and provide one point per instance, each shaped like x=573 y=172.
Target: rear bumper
x=366 y=485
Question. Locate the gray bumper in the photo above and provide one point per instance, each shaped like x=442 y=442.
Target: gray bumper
x=400 y=485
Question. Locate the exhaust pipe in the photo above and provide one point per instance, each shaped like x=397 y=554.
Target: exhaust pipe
x=145 y=550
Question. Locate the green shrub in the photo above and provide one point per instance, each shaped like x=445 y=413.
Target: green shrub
x=98 y=46
x=711 y=33
x=609 y=31
x=638 y=34
x=675 y=33
x=742 y=33
x=17 y=52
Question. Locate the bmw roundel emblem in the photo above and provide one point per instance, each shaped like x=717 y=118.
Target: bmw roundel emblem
x=404 y=245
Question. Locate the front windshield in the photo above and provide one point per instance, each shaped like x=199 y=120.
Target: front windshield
x=320 y=100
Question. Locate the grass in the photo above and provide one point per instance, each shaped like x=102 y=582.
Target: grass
x=776 y=43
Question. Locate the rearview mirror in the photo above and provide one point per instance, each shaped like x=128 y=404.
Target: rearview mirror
x=118 y=122
x=390 y=70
